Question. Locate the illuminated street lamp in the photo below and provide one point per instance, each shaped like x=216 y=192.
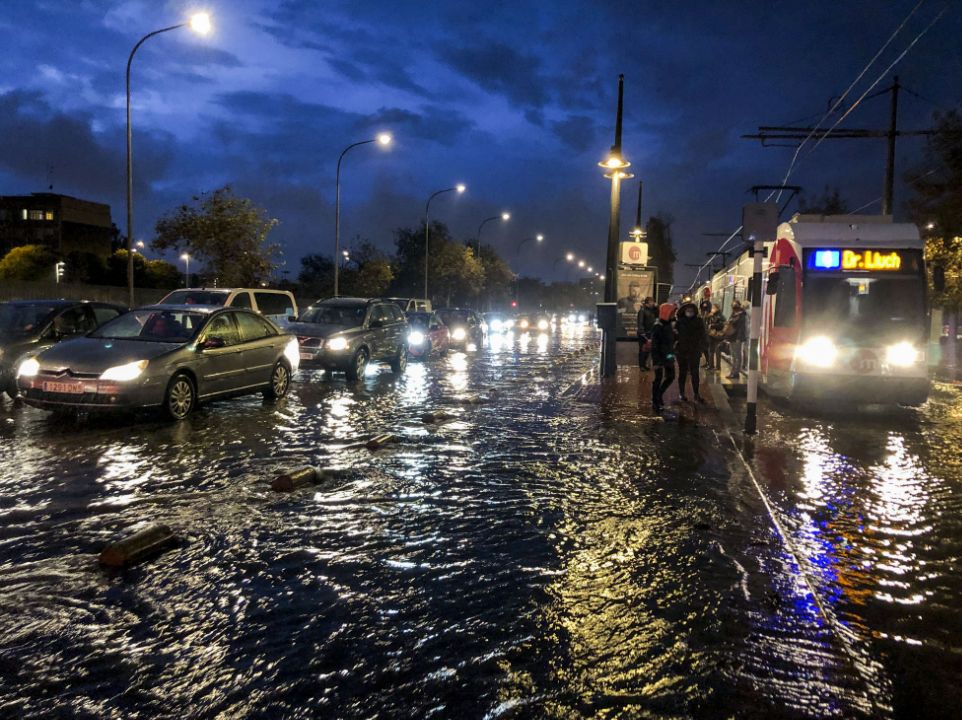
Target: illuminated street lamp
x=186 y=258
x=200 y=24
x=581 y=263
x=569 y=257
x=383 y=139
x=459 y=189
x=504 y=217
x=539 y=238
x=616 y=166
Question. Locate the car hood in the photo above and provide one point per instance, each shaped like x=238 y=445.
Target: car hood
x=94 y=355
x=319 y=330
x=13 y=346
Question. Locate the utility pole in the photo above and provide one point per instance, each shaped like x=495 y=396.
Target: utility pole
x=769 y=133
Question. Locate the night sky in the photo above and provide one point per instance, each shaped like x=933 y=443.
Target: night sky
x=515 y=99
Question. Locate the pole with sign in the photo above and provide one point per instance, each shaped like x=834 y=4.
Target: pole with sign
x=759 y=223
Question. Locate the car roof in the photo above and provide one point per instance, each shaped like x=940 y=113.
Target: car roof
x=60 y=302
x=347 y=301
x=186 y=307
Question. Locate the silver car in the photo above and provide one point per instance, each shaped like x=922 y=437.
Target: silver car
x=172 y=357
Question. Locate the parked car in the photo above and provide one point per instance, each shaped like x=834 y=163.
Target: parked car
x=29 y=326
x=467 y=326
x=278 y=306
x=428 y=335
x=171 y=356
x=412 y=304
x=345 y=334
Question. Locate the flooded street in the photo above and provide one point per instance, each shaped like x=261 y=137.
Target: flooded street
x=547 y=551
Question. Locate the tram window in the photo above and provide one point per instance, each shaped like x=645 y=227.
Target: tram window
x=785 y=298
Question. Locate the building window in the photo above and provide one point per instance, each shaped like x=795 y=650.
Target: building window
x=48 y=215
x=23 y=213
x=35 y=215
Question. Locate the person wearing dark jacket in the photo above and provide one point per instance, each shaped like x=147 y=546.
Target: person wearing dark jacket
x=704 y=312
x=739 y=329
x=646 y=321
x=692 y=342
x=662 y=355
x=716 y=336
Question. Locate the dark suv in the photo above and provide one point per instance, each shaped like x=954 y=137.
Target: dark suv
x=29 y=326
x=345 y=334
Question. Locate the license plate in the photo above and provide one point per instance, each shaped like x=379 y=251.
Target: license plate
x=307 y=356
x=74 y=388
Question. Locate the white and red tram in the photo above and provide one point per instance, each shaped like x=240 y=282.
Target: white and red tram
x=845 y=316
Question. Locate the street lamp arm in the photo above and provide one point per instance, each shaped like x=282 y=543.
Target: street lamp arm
x=144 y=39
x=427 y=205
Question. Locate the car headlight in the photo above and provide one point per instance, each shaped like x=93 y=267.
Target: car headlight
x=901 y=354
x=125 y=373
x=415 y=338
x=496 y=325
x=524 y=324
x=337 y=343
x=293 y=353
x=459 y=334
x=817 y=352
x=28 y=368
x=542 y=324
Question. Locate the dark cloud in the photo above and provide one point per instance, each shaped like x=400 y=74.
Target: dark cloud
x=578 y=132
x=499 y=68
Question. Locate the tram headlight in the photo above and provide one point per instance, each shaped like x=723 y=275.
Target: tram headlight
x=818 y=352
x=901 y=354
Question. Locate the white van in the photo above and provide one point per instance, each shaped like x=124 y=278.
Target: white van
x=277 y=305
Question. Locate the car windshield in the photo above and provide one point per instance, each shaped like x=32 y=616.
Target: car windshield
x=453 y=317
x=195 y=297
x=865 y=308
x=344 y=315
x=18 y=319
x=419 y=319
x=154 y=325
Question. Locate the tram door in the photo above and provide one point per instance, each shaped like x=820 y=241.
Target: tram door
x=782 y=317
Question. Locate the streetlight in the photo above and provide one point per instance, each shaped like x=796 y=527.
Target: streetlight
x=186 y=258
x=590 y=269
x=383 y=139
x=581 y=263
x=505 y=216
x=539 y=237
x=569 y=257
x=459 y=189
x=200 y=24
x=616 y=165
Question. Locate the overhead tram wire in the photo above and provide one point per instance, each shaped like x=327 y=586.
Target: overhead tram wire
x=834 y=107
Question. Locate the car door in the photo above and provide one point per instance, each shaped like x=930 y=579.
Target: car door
x=399 y=327
x=377 y=328
x=220 y=366
x=260 y=348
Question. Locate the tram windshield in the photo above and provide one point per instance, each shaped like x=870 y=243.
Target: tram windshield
x=865 y=308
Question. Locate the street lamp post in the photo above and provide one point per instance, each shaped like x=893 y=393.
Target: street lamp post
x=186 y=258
x=382 y=139
x=199 y=23
x=459 y=188
x=505 y=216
x=539 y=237
x=617 y=165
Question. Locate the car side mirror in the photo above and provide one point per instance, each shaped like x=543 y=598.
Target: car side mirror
x=772 y=287
x=213 y=343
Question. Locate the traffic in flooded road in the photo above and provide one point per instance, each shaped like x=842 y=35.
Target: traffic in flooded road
x=527 y=543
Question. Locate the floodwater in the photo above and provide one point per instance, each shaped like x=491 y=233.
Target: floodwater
x=535 y=555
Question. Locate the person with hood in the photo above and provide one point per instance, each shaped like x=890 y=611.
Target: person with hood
x=662 y=355
x=737 y=335
x=646 y=321
x=692 y=342
x=716 y=336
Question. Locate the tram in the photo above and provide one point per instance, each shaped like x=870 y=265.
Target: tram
x=844 y=314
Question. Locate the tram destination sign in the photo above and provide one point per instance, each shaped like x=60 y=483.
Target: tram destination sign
x=843 y=259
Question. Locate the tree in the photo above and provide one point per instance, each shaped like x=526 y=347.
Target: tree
x=498 y=277
x=661 y=251
x=830 y=202
x=372 y=274
x=226 y=234
x=455 y=274
x=28 y=262
x=316 y=279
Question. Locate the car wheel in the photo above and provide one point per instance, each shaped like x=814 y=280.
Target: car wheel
x=400 y=362
x=358 y=366
x=180 y=398
x=280 y=381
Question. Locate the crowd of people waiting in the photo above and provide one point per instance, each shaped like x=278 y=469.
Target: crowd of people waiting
x=682 y=336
